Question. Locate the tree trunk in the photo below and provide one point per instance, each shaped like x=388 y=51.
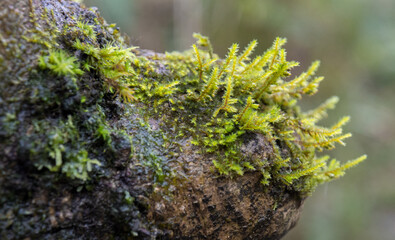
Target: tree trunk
x=55 y=128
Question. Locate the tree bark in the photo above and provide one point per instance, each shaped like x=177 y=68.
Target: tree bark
x=122 y=199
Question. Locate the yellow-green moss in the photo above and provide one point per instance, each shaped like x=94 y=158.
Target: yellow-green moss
x=215 y=102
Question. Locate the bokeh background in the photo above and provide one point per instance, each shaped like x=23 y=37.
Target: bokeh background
x=355 y=41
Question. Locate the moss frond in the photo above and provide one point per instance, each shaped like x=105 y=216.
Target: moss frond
x=289 y=178
x=204 y=41
x=299 y=85
x=251 y=66
x=320 y=112
x=209 y=63
x=340 y=171
x=230 y=57
x=210 y=88
x=244 y=56
x=341 y=122
x=328 y=143
x=227 y=100
x=198 y=58
x=278 y=43
x=249 y=105
x=202 y=65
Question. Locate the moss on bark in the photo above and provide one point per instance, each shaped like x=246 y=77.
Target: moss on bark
x=102 y=141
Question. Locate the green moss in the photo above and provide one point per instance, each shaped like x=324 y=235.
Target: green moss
x=60 y=63
x=216 y=102
x=57 y=147
x=67 y=130
x=83 y=112
x=213 y=103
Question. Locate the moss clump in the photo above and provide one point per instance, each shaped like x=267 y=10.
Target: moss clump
x=60 y=63
x=213 y=103
x=216 y=103
x=94 y=132
x=61 y=141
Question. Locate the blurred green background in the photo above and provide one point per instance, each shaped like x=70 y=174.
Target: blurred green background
x=355 y=41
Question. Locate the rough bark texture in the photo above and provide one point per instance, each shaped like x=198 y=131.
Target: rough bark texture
x=122 y=199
